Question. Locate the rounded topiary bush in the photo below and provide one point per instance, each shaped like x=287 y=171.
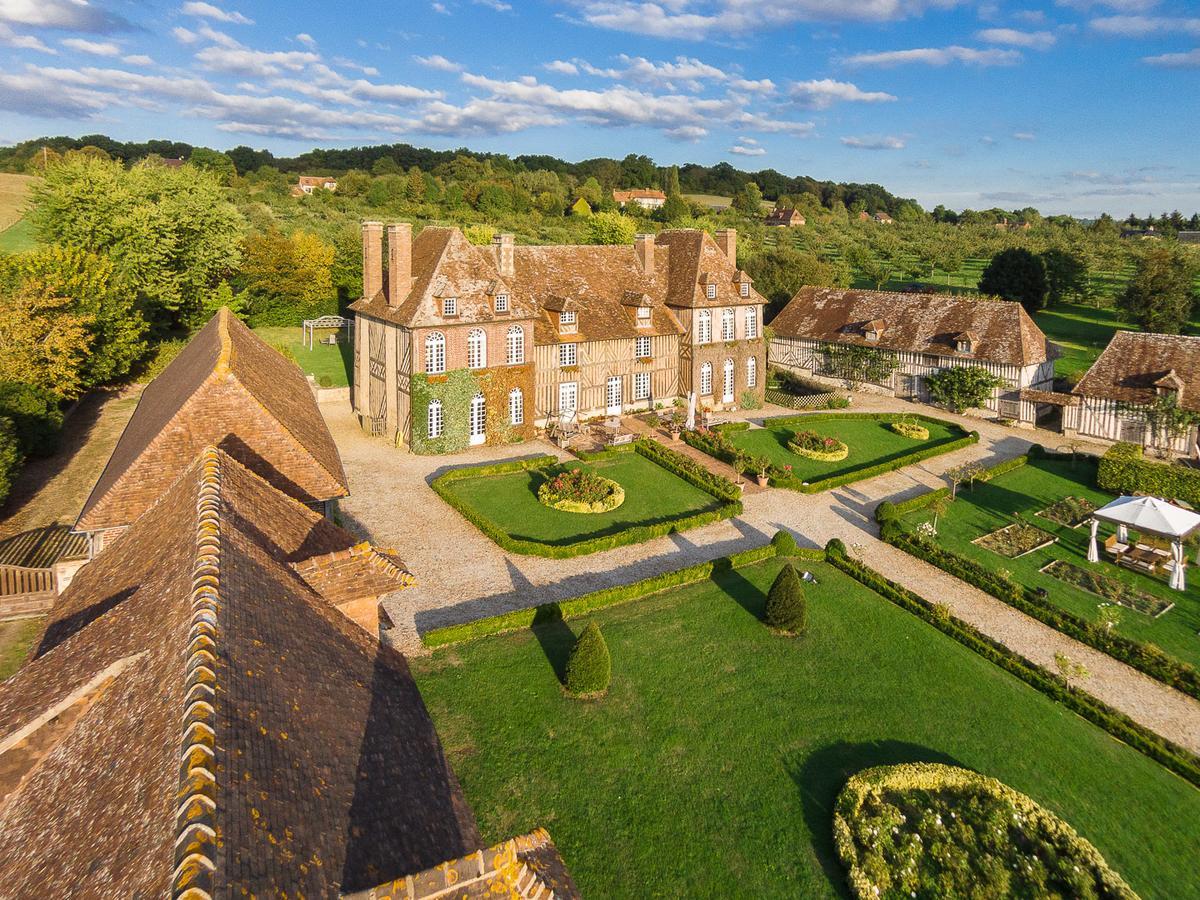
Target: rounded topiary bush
x=932 y=830
x=787 y=607
x=589 y=667
x=910 y=429
x=885 y=511
x=835 y=547
x=784 y=543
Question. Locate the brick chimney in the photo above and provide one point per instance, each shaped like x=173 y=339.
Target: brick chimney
x=643 y=246
x=505 y=263
x=727 y=241
x=372 y=237
x=399 y=262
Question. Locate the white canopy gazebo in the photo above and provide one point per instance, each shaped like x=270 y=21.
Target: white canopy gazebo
x=1148 y=515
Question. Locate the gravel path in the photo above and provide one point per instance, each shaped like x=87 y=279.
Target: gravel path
x=461 y=575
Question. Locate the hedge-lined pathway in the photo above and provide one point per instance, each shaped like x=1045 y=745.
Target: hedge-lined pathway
x=461 y=575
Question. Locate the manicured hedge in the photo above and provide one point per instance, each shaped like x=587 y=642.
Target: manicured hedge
x=1145 y=657
x=1125 y=470
x=688 y=469
x=1120 y=726
x=568 y=609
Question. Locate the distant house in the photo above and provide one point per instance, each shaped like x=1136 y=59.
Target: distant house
x=646 y=199
x=883 y=218
x=817 y=334
x=169 y=162
x=228 y=388
x=784 y=217
x=309 y=183
x=1142 y=234
x=1135 y=369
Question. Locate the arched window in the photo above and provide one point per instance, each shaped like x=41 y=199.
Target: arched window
x=435 y=353
x=515 y=345
x=752 y=372
x=478 y=420
x=706 y=380
x=476 y=349
x=436 y=421
x=727 y=382
x=516 y=407
x=727 y=324
x=704 y=326
x=751 y=323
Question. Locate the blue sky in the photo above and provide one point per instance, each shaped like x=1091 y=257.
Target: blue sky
x=1073 y=106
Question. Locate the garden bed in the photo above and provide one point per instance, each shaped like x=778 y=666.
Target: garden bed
x=1016 y=540
x=1105 y=586
x=1069 y=511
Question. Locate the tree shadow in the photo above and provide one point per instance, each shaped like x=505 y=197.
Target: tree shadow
x=820 y=777
x=551 y=630
x=65 y=628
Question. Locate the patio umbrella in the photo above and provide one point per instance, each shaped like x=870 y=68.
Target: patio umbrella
x=1149 y=515
x=691 y=419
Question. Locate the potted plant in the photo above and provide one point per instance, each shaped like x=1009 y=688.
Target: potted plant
x=675 y=427
x=762 y=465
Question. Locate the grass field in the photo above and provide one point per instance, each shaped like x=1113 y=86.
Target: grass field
x=711 y=767
x=870 y=442
x=15 y=641
x=335 y=362
x=652 y=496
x=16 y=234
x=1033 y=487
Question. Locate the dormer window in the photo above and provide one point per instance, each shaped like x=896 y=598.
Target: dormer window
x=643 y=314
x=449 y=306
x=567 y=321
x=1170 y=385
x=744 y=289
x=711 y=292
x=502 y=303
x=873 y=330
x=963 y=345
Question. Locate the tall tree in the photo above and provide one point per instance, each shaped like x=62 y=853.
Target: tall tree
x=1066 y=275
x=1016 y=274
x=1160 y=296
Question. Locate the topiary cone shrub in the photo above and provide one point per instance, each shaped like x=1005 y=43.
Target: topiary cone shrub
x=589 y=667
x=787 y=607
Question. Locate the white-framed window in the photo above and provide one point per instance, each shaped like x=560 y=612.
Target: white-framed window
x=711 y=292
x=478 y=420
x=435 y=419
x=727 y=382
x=751 y=324
x=449 y=306
x=476 y=349
x=641 y=386
x=514 y=345
x=568 y=398
x=516 y=407
x=727 y=325
x=643 y=314
x=642 y=348
x=744 y=289
x=502 y=303
x=567 y=321
x=435 y=353
x=706 y=380
x=752 y=372
x=704 y=326
x=568 y=355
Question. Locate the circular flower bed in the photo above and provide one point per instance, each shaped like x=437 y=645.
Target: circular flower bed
x=910 y=430
x=930 y=830
x=581 y=491
x=817 y=446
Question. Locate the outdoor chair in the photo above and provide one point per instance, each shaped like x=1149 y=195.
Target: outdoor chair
x=1113 y=547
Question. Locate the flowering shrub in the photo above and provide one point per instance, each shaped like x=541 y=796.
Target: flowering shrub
x=581 y=491
x=910 y=428
x=818 y=446
x=931 y=830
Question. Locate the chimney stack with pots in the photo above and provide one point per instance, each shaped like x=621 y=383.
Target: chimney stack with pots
x=505 y=263
x=399 y=262
x=643 y=245
x=727 y=241
x=372 y=258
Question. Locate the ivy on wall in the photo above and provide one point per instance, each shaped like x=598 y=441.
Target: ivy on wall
x=455 y=389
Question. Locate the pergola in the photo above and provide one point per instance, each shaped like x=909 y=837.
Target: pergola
x=1148 y=515
x=309 y=327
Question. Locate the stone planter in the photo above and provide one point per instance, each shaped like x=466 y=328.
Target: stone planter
x=762 y=480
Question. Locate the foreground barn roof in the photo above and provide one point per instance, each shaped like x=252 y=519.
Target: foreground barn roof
x=198 y=716
x=1135 y=365
x=227 y=387
x=1002 y=331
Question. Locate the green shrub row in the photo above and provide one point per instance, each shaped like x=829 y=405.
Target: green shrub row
x=825 y=484
x=1120 y=726
x=1124 y=470
x=1145 y=657
x=612 y=596
x=688 y=469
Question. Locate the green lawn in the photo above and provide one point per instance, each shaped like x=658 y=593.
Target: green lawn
x=652 y=496
x=334 y=363
x=15 y=639
x=18 y=237
x=1033 y=487
x=711 y=767
x=870 y=442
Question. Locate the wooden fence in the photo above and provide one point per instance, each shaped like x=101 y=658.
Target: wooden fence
x=25 y=592
x=801 y=401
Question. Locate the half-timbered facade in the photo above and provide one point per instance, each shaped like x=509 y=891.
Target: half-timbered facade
x=457 y=345
x=891 y=342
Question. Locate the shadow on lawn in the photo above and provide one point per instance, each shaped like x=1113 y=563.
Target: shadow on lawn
x=821 y=776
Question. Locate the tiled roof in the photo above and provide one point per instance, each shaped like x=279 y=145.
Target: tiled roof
x=1134 y=361
x=918 y=323
x=41 y=548
x=226 y=387
x=353 y=573
x=198 y=717
x=638 y=194
x=693 y=256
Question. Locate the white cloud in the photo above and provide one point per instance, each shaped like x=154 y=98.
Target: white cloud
x=68 y=15
x=1011 y=37
x=437 y=62
x=1123 y=6
x=1024 y=136
x=683 y=72
x=9 y=38
x=742 y=150
x=937 y=56
x=497 y=5
x=824 y=93
x=184 y=35
x=137 y=59
x=1188 y=60
x=875 y=142
x=357 y=67
x=440 y=8
x=687 y=133
x=95 y=48
x=306 y=39
x=204 y=10
x=1141 y=26
x=561 y=66
x=1030 y=16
